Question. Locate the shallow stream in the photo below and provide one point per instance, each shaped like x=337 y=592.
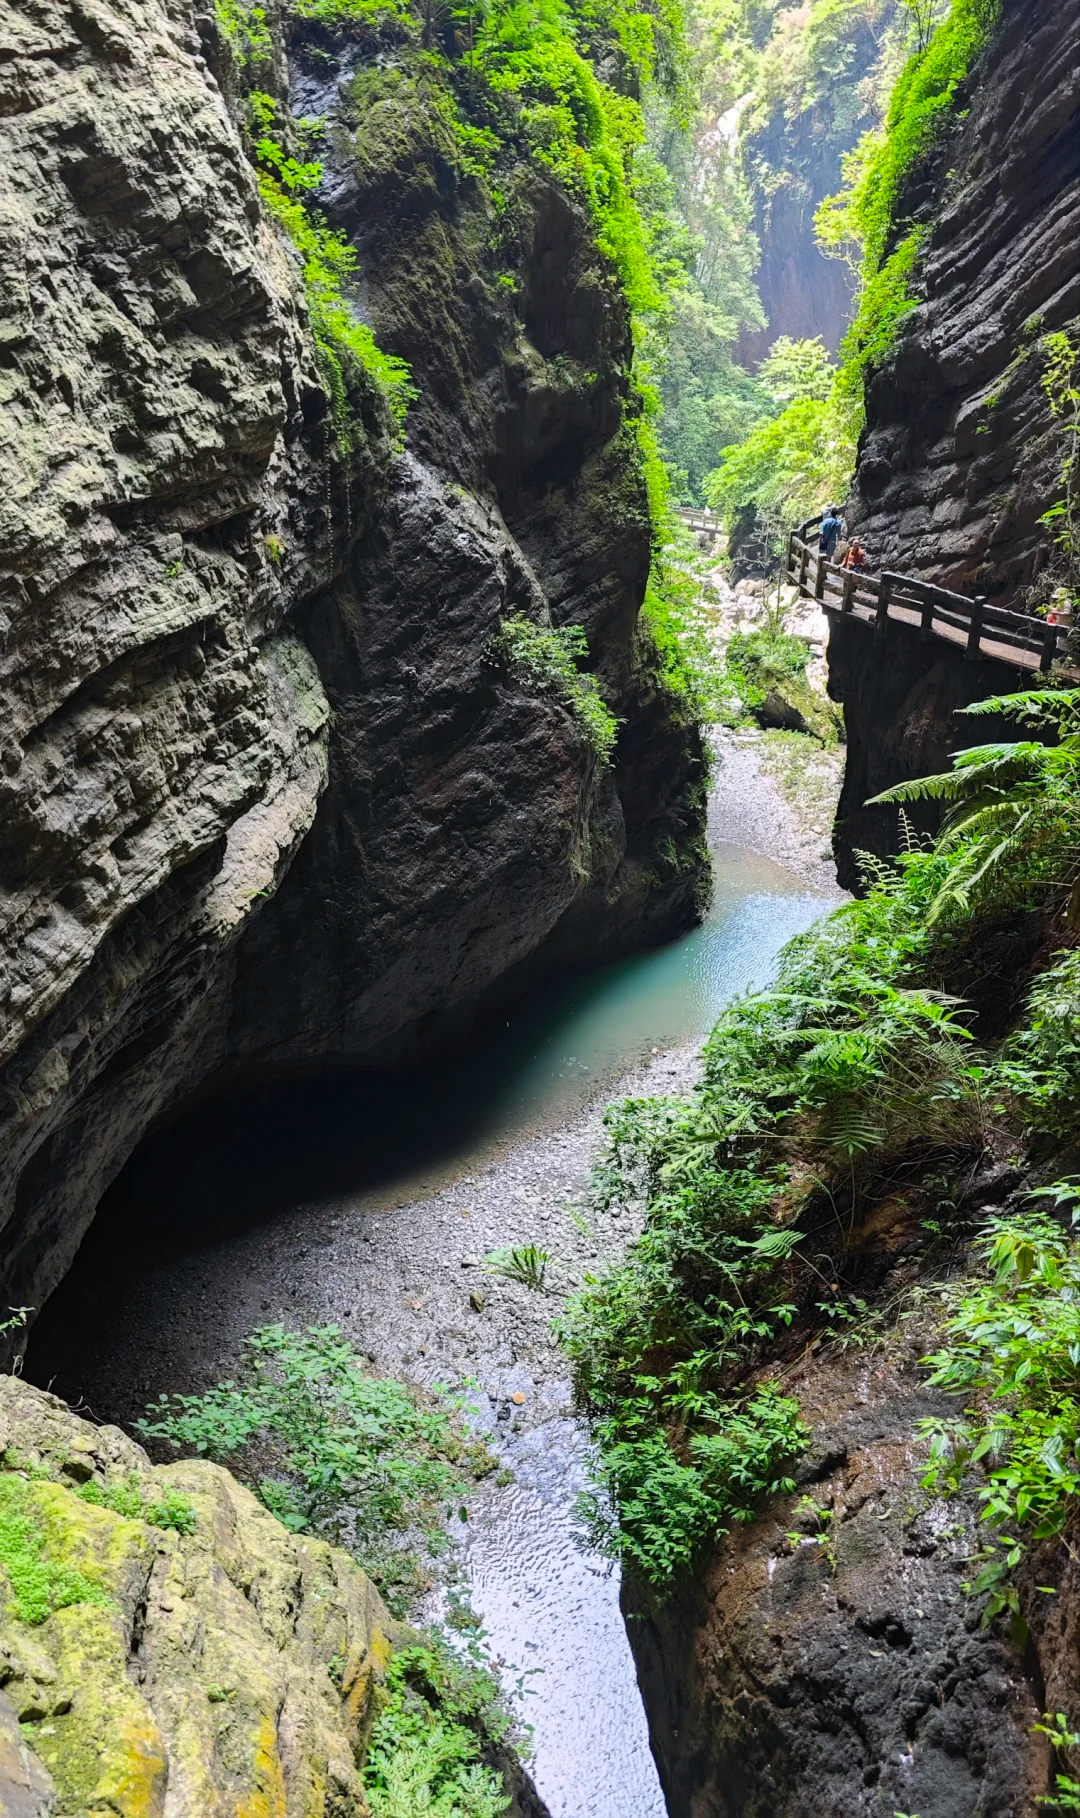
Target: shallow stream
x=372 y=1200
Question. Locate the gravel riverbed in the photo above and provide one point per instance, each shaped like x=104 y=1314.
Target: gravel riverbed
x=401 y=1268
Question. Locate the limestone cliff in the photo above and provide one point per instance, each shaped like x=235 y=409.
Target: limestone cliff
x=962 y=453
x=239 y=647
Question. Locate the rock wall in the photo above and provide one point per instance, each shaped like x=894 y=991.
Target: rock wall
x=802 y=292
x=829 y=1662
x=901 y=698
x=961 y=455
x=266 y=799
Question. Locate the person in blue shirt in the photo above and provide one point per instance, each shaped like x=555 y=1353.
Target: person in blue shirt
x=832 y=528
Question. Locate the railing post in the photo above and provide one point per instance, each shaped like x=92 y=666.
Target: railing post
x=819 y=578
x=975 y=625
x=1049 y=648
x=804 y=563
x=848 y=600
x=884 y=590
x=789 y=566
x=926 y=625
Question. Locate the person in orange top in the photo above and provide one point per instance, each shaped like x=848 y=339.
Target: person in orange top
x=856 y=557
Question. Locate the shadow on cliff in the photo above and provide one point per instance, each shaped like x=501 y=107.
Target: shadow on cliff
x=250 y=1155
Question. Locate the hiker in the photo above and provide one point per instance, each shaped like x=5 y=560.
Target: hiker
x=856 y=557
x=832 y=527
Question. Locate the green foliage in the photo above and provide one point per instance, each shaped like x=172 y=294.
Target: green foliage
x=773 y=662
x=546 y=658
x=848 y=1061
x=760 y=660
x=866 y=218
x=329 y=1448
x=169 y=1510
x=425 y=1759
x=39 y=1583
x=1013 y=1347
x=343 y=15
x=1061 y=383
x=245 y=30
x=675 y=629
x=787 y=467
x=525 y=1264
x=1040 y=1062
x=329 y=264
x=1014 y=828
x=795 y=370
x=1066 y=1796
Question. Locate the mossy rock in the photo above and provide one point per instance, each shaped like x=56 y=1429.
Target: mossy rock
x=233 y=1667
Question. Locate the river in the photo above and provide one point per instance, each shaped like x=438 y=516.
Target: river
x=372 y=1200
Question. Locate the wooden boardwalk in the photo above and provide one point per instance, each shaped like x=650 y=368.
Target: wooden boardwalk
x=697 y=518
x=973 y=625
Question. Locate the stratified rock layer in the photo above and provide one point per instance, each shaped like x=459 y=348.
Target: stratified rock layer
x=240 y=649
x=232 y=1668
x=961 y=455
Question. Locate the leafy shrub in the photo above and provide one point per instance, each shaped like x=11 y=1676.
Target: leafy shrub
x=787 y=467
x=425 y=1756
x=329 y=1448
x=1040 y=1062
x=547 y=659
x=246 y=32
x=1014 y=828
x=839 y=1070
x=1013 y=1347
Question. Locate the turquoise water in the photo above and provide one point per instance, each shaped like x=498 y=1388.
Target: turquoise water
x=559 y=1047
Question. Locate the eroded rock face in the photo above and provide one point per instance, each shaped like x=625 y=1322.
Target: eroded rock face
x=235 y=656
x=828 y=1660
x=230 y=1668
x=961 y=455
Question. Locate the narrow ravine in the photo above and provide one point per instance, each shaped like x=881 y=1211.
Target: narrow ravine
x=374 y=1202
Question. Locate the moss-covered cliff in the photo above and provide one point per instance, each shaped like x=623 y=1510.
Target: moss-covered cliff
x=248 y=637
x=966 y=440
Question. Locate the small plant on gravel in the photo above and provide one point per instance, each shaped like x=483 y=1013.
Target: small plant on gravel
x=332 y=1449
x=525 y=1264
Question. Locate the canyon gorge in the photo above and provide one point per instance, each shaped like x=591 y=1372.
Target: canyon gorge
x=374 y=810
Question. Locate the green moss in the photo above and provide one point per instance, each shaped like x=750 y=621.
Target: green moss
x=868 y=213
x=170 y=1510
x=548 y=660
x=40 y=1583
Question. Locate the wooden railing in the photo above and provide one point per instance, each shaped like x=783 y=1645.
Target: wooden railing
x=981 y=629
x=695 y=517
